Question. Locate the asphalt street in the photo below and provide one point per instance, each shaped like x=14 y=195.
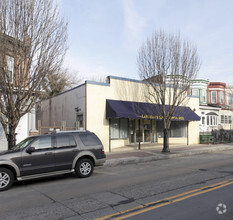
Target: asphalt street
x=112 y=190
x=217 y=204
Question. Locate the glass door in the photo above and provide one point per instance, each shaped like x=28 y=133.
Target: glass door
x=132 y=131
x=139 y=131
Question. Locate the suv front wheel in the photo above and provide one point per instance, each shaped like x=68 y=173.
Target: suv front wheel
x=84 y=168
x=6 y=179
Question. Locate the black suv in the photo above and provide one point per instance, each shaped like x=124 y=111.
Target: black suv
x=51 y=154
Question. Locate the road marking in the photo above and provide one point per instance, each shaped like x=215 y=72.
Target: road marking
x=173 y=199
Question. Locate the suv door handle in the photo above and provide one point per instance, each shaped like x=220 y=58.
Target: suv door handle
x=48 y=153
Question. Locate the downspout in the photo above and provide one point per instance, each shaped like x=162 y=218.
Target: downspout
x=110 y=135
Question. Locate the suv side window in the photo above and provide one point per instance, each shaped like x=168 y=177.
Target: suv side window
x=65 y=141
x=89 y=139
x=42 y=143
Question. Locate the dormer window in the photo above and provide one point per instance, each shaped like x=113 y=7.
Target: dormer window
x=10 y=67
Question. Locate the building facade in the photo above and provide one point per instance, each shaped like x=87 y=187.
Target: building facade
x=118 y=112
x=215 y=104
x=15 y=79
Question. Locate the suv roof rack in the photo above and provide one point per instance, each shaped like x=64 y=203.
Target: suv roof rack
x=71 y=131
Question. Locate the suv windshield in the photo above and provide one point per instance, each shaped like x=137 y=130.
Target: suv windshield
x=23 y=143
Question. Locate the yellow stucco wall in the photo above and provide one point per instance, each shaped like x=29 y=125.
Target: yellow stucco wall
x=193 y=132
x=127 y=90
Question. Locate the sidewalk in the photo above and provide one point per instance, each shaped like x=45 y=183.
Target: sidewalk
x=152 y=153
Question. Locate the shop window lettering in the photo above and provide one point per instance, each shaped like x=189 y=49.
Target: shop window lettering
x=156 y=117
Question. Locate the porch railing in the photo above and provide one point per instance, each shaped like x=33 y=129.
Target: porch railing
x=216 y=136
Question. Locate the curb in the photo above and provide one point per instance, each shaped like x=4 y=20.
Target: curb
x=157 y=156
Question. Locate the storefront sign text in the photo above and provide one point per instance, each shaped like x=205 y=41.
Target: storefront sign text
x=156 y=117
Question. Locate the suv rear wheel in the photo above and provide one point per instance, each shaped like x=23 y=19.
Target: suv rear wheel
x=6 y=179
x=84 y=168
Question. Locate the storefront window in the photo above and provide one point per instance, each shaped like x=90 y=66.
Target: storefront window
x=115 y=131
x=177 y=129
x=132 y=130
x=147 y=130
x=139 y=131
x=119 y=128
x=123 y=128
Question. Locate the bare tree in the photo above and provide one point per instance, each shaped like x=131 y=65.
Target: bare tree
x=59 y=81
x=167 y=64
x=32 y=45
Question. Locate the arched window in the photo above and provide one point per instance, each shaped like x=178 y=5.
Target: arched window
x=212 y=119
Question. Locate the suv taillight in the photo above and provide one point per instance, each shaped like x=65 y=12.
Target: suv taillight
x=102 y=150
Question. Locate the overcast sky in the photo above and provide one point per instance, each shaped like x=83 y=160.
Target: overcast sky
x=105 y=35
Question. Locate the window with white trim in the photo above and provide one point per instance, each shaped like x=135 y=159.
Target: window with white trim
x=204 y=96
x=212 y=120
x=203 y=120
x=229 y=99
x=222 y=119
x=195 y=92
x=230 y=119
x=221 y=97
x=213 y=97
x=226 y=119
x=10 y=67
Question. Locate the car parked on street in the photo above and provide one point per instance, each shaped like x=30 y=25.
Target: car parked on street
x=51 y=154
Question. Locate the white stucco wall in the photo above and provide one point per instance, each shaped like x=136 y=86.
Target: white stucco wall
x=26 y=124
x=22 y=129
x=3 y=141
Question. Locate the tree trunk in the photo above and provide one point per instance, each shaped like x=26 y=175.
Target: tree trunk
x=11 y=138
x=165 y=141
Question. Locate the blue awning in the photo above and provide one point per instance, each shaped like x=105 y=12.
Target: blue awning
x=137 y=110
